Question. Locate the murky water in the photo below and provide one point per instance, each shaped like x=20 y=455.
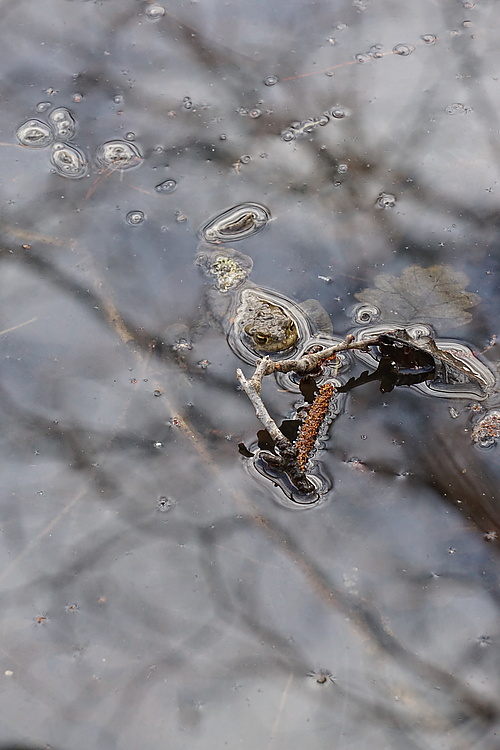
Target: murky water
x=157 y=587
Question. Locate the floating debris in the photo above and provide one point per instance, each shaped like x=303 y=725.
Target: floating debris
x=487 y=431
x=310 y=429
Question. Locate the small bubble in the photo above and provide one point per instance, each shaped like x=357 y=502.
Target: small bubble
x=339 y=113
x=386 y=200
x=118 y=99
x=342 y=168
x=245 y=159
x=455 y=33
x=35 y=133
x=68 y=161
x=155 y=12
x=187 y=103
x=323 y=120
x=77 y=98
x=362 y=57
x=429 y=38
x=130 y=136
x=43 y=106
x=271 y=80
x=222 y=137
x=451 y=550
x=157 y=393
x=179 y=217
x=168 y=186
x=365 y=314
x=134 y=218
x=403 y=49
x=467 y=24
x=63 y=123
x=469 y=6
x=254 y=113
x=287 y=136
x=157 y=445
x=341 y=26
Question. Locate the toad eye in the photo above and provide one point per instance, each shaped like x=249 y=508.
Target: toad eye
x=260 y=338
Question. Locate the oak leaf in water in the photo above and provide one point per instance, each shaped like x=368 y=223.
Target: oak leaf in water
x=433 y=295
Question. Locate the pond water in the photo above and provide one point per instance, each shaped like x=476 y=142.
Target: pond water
x=156 y=586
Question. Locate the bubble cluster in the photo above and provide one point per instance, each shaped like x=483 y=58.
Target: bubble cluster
x=35 y=134
x=69 y=161
x=134 y=218
x=119 y=154
x=236 y=223
x=63 y=123
x=167 y=186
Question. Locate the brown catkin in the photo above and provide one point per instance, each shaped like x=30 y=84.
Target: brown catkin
x=312 y=424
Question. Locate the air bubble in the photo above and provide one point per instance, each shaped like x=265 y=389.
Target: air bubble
x=322 y=121
x=386 y=200
x=118 y=99
x=428 y=38
x=187 y=103
x=403 y=49
x=35 y=133
x=271 y=80
x=362 y=57
x=77 y=98
x=342 y=168
x=68 y=161
x=366 y=314
x=43 y=106
x=339 y=113
x=254 y=113
x=155 y=12
x=118 y=154
x=287 y=136
x=134 y=218
x=130 y=136
x=168 y=186
x=245 y=159
x=236 y=223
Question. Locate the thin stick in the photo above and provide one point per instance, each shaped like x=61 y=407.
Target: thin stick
x=252 y=389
